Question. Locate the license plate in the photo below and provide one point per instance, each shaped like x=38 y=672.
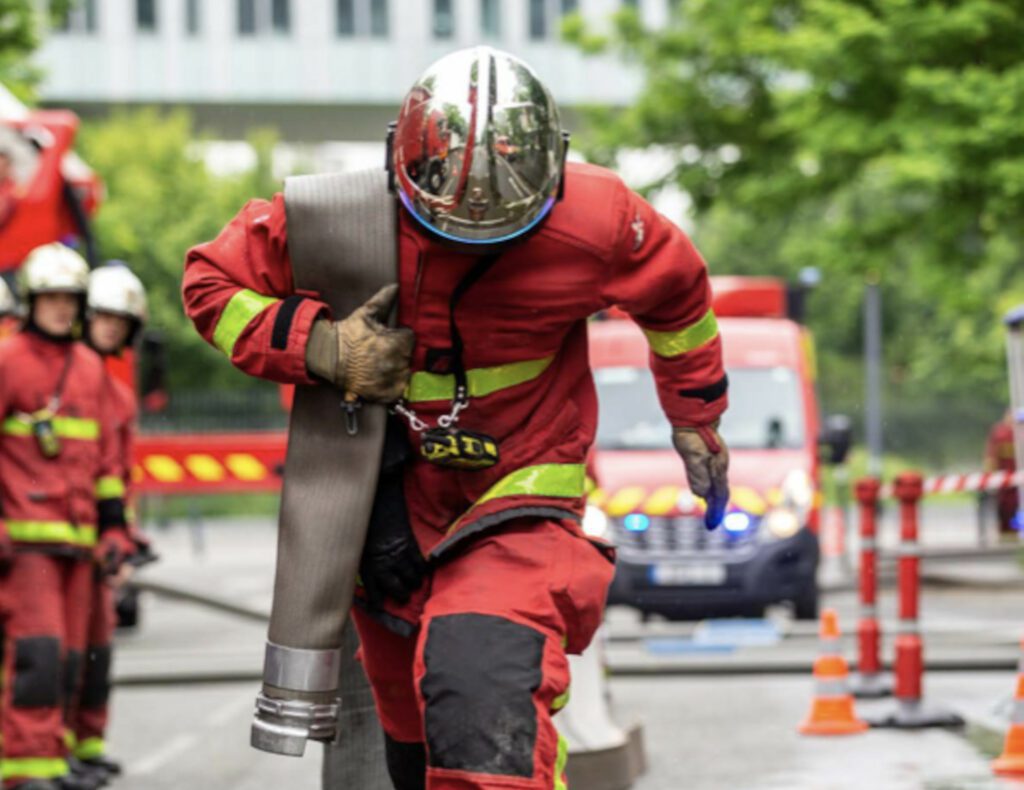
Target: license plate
x=709 y=574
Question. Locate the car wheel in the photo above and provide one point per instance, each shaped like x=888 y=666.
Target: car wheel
x=805 y=605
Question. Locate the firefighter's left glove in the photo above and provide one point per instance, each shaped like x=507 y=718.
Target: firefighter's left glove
x=115 y=547
x=361 y=355
x=707 y=467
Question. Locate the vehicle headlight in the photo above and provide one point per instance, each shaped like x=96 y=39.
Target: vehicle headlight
x=796 y=500
x=595 y=522
x=782 y=522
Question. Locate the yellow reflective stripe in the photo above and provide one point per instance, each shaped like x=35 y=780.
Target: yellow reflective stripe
x=33 y=767
x=560 y=701
x=425 y=386
x=244 y=306
x=90 y=749
x=110 y=487
x=52 y=532
x=625 y=500
x=560 y=762
x=70 y=740
x=65 y=427
x=559 y=480
x=662 y=501
x=672 y=344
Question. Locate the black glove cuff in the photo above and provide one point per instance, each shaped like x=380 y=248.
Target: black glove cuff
x=110 y=514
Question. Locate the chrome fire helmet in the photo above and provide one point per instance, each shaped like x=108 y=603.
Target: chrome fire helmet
x=477 y=155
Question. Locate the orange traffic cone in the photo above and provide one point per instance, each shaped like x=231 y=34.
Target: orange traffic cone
x=1011 y=761
x=832 y=708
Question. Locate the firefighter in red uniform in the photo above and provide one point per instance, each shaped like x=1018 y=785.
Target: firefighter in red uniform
x=497 y=276
x=999 y=457
x=115 y=312
x=61 y=489
x=8 y=311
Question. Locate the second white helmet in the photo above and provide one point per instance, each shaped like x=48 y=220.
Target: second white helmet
x=7 y=304
x=53 y=268
x=114 y=289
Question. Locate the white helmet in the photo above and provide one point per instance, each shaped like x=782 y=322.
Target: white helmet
x=53 y=268
x=7 y=304
x=114 y=289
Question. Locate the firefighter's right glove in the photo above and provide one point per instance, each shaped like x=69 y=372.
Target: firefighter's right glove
x=6 y=550
x=361 y=354
x=113 y=550
x=707 y=468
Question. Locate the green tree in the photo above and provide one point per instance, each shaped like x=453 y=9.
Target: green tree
x=161 y=200
x=19 y=37
x=865 y=137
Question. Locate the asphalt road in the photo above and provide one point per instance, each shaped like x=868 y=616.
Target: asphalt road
x=701 y=732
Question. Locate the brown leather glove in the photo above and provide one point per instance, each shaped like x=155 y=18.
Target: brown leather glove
x=361 y=355
x=707 y=467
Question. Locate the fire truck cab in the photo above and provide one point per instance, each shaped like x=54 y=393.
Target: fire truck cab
x=766 y=550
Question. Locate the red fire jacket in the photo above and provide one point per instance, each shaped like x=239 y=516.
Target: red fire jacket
x=524 y=325
x=53 y=501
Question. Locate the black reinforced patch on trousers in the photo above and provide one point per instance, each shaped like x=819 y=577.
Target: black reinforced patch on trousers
x=96 y=678
x=36 y=682
x=109 y=514
x=283 y=322
x=407 y=764
x=481 y=673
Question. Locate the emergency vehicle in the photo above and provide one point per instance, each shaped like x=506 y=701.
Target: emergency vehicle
x=766 y=550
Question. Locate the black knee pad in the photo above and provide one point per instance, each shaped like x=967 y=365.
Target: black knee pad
x=407 y=764
x=481 y=673
x=36 y=682
x=96 y=678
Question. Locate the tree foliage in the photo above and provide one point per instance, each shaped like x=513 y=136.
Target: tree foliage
x=869 y=138
x=162 y=200
x=20 y=22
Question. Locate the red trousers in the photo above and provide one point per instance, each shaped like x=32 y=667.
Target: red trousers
x=88 y=719
x=475 y=687
x=46 y=601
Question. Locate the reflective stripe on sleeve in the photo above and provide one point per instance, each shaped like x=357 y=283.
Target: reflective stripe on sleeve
x=33 y=767
x=557 y=480
x=52 y=532
x=425 y=386
x=110 y=487
x=672 y=344
x=64 y=427
x=561 y=760
x=244 y=306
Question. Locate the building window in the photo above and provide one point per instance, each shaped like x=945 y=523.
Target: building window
x=538 y=19
x=634 y=4
x=79 y=18
x=192 y=17
x=257 y=17
x=379 y=18
x=346 y=20
x=280 y=16
x=570 y=7
x=444 y=19
x=145 y=16
x=246 y=17
x=490 y=18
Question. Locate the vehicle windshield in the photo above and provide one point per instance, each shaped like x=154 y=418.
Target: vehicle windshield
x=765 y=410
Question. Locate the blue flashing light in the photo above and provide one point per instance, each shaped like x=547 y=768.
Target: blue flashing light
x=737 y=522
x=1017 y=521
x=636 y=522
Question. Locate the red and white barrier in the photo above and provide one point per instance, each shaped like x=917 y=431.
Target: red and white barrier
x=969 y=482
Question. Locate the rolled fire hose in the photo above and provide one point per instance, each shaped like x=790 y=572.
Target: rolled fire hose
x=342 y=242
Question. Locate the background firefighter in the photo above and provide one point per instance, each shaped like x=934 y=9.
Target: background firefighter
x=63 y=514
x=115 y=313
x=497 y=276
x=999 y=456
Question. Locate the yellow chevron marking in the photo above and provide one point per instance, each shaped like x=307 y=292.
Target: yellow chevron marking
x=205 y=467
x=164 y=468
x=626 y=500
x=246 y=467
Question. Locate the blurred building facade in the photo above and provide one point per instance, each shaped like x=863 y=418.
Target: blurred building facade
x=316 y=69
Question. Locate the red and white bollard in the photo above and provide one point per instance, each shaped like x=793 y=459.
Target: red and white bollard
x=869 y=681
x=911 y=712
